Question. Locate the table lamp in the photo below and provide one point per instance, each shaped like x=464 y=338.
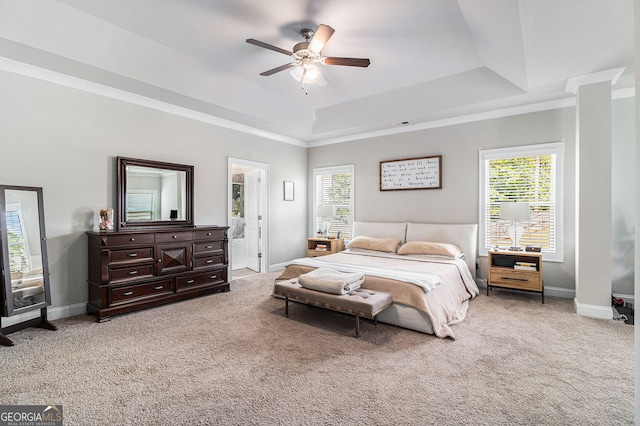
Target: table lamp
x=515 y=212
x=326 y=212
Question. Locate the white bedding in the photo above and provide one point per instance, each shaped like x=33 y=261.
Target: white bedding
x=381 y=267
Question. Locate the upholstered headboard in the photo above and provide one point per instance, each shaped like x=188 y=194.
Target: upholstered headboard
x=381 y=230
x=464 y=236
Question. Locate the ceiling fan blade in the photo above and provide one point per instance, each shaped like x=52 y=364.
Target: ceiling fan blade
x=268 y=46
x=278 y=69
x=320 y=38
x=349 y=62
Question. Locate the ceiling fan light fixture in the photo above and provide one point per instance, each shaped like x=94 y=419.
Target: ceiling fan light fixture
x=297 y=72
x=311 y=73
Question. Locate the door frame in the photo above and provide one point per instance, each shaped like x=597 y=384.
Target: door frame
x=264 y=187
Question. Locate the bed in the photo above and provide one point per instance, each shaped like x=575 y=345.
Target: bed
x=429 y=270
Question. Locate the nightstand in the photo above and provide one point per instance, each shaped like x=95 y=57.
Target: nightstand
x=516 y=270
x=324 y=246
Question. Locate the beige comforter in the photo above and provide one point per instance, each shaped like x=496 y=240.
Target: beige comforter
x=445 y=302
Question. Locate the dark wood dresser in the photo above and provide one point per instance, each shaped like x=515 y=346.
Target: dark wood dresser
x=132 y=270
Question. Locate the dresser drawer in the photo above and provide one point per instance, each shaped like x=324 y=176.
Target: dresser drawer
x=127 y=240
x=204 y=262
x=205 y=278
x=132 y=255
x=133 y=293
x=167 y=237
x=208 y=247
x=131 y=273
x=210 y=234
x=525 y=280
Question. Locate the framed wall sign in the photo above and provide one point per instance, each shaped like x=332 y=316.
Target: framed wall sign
x=411 y=173
x=288 y=191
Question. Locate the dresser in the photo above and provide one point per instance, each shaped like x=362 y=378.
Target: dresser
x=132 y=270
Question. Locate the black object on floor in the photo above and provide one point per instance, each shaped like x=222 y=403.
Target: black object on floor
x=627 y=312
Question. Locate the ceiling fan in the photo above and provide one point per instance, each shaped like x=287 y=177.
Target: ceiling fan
x=307 y=54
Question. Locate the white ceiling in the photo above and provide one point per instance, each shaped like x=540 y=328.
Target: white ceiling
x=430 y=59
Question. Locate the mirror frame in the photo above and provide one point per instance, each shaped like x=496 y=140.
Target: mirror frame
x=123 y=224
x=9 y=309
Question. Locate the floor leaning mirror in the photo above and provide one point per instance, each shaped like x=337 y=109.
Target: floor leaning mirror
x=23 y=250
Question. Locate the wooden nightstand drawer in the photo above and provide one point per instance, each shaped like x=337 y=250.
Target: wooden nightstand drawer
x=513 y=278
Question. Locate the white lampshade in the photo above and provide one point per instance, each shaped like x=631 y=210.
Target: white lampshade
x=325 y=210
x=515 y=211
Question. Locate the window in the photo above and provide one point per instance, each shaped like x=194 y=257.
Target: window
x=140 y=205
x=530 y=174
x=334 y=186
x=19 y=255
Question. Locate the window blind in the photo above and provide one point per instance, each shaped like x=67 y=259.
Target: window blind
x=522 y=179
x=333 y=186
x=523 y=174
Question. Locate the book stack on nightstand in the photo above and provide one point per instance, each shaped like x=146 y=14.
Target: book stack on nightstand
x=324 y=246
x=517 y=270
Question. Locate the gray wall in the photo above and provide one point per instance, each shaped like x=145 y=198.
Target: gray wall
x=457 y=202
x=66 y=141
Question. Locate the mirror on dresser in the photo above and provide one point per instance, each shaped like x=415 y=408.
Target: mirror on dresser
x=154 y=194
x=25 y=272
x=156 y=256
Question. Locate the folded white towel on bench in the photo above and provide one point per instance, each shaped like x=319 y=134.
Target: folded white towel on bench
x=331 y=281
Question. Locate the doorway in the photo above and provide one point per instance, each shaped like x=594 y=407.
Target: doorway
x=247 y=217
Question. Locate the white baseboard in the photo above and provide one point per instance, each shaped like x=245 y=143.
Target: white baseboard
x=53 y=313
x=593 y=311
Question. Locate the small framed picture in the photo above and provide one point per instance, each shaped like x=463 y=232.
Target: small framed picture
x=288 y=191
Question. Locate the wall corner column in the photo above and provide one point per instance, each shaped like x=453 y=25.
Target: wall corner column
x=593 y=192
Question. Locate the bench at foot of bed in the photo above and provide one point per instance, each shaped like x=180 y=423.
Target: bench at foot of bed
x=360 y=302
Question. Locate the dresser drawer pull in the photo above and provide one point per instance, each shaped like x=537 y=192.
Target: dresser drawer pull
x=133 y=272
x=133 y=255
x=127 y=293
x=213 y=277
x=174 y=237
x=514 y=279
x=160 y=287
x=209 y=247
x=209 y=261
x=190 y=281
x=208 y=234
x=132 y=239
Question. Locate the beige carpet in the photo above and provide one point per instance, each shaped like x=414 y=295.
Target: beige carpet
x=234 y=359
